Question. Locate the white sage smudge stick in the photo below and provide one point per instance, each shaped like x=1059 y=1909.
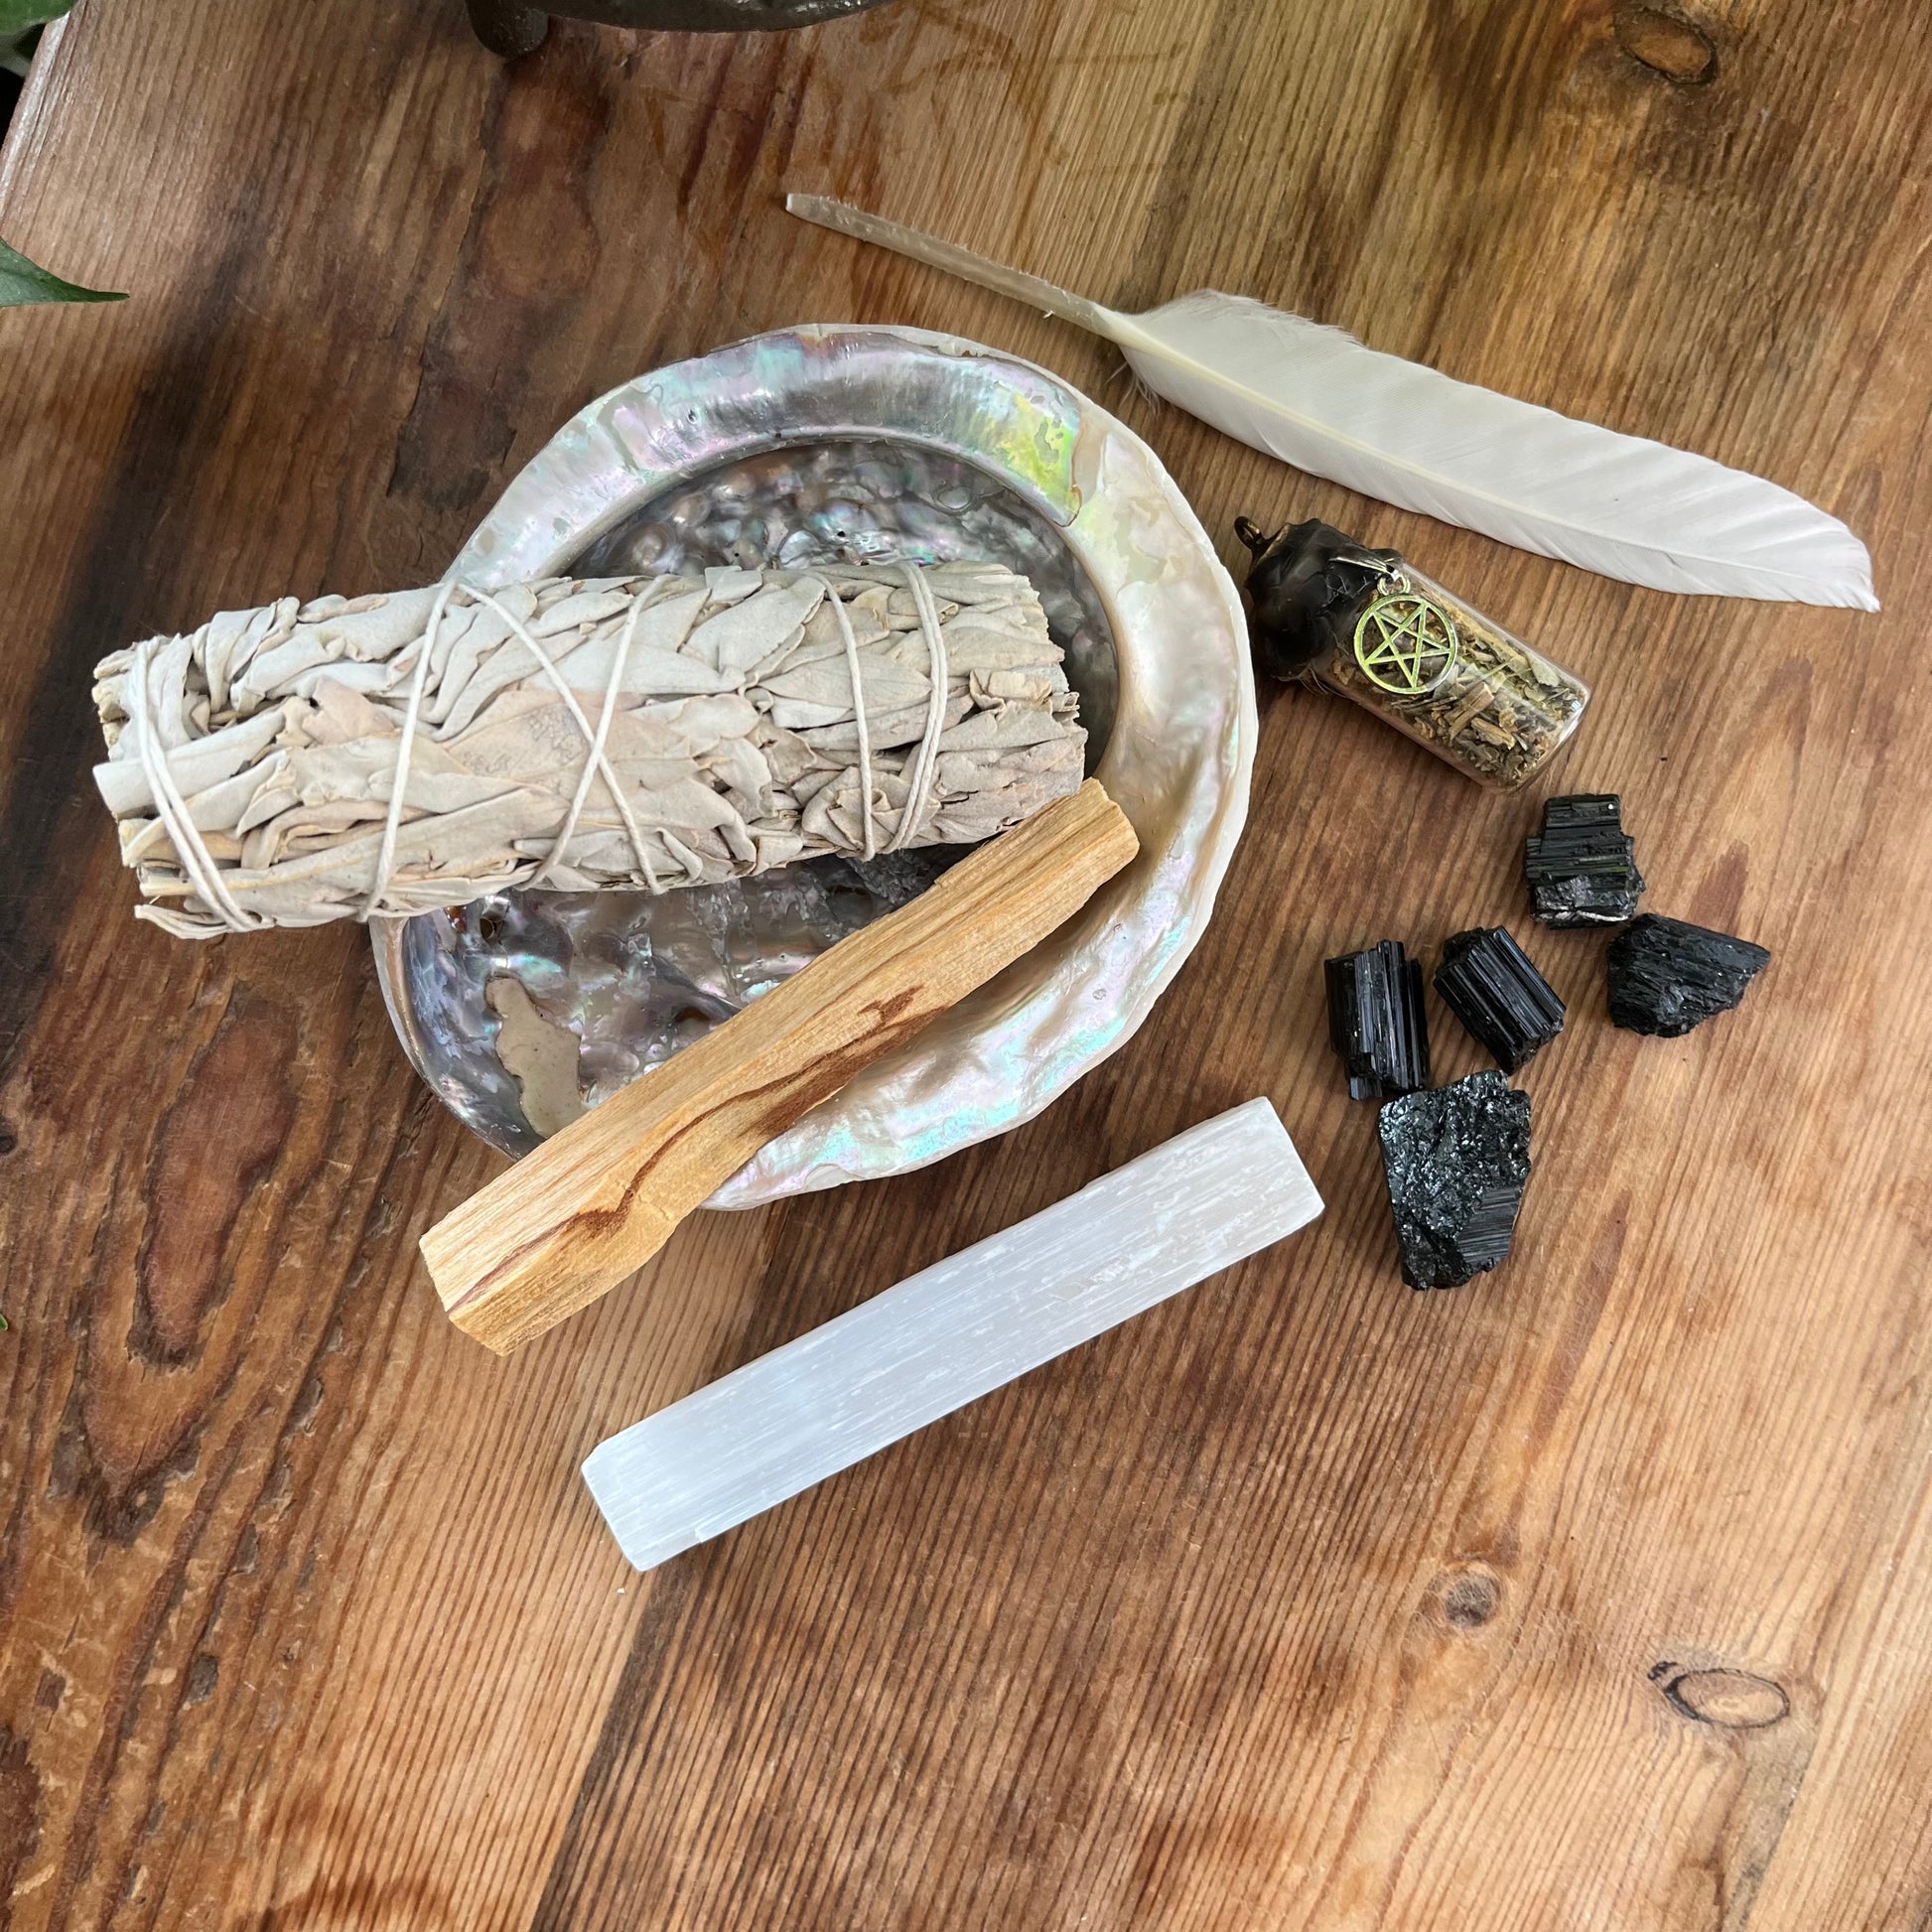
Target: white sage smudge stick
x=639 y=733
x=952 y=1333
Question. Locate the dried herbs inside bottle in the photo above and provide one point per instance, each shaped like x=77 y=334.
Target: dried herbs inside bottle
x=1367 y=624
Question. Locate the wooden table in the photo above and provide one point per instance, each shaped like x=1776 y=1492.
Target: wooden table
x=1597 y=1594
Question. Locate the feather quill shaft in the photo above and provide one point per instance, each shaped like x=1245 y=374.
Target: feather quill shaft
x=1620 y=506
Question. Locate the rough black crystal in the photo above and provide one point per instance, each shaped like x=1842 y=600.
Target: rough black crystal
x=1488 y=982
x=1307 y=585
x=1458 y=1159
x=898 y=878
x=1581 y=868
x=1376 y=1021
x=1667 y=977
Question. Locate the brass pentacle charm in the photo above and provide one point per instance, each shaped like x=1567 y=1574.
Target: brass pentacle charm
x=1405 y=644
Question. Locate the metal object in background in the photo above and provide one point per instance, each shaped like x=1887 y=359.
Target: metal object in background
x=509 y=28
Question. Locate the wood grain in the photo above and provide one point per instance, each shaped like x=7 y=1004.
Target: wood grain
x=599 y=1200
x=1308 y=1602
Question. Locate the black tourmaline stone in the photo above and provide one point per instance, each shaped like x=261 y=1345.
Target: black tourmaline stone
x=1376 y=1021
x=1486 y=980
x=1667 y=977
x=1458 y=1160
x=897 y=877
x=1307 y=585
x=1581 y=868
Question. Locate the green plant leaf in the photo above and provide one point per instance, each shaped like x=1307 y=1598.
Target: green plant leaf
x=22 y=282
x=16 y=16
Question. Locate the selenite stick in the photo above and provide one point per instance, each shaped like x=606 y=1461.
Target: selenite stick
x=596 y=1200
x=951 y=1333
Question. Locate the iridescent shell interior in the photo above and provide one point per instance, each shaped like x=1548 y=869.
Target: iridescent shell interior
x=856 y=445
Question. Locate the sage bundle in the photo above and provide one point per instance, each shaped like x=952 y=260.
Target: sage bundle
x=387 y=755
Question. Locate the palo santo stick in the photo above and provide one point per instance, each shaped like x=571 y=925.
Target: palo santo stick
x=595 y=1201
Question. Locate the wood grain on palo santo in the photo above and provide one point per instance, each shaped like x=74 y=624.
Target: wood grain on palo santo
x=599 y=1200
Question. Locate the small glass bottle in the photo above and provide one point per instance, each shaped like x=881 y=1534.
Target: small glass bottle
x=1369 y=625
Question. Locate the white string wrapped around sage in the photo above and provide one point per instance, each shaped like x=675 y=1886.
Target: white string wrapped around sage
x=633 y=733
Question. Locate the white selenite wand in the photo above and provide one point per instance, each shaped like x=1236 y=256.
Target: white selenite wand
x=953 y=1333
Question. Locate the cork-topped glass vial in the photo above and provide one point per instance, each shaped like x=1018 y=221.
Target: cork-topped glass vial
x=1368 y=624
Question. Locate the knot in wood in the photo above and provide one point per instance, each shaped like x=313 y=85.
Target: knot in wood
x=1667 y=44
x=1470 y=1597
x=1729 y=1700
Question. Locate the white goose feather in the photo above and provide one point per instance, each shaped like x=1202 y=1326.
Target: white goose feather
x=1621 y=506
